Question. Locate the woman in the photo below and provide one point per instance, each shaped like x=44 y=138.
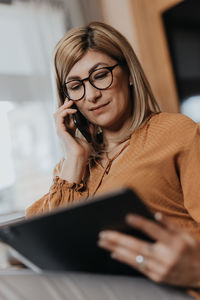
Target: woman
x=132 y=144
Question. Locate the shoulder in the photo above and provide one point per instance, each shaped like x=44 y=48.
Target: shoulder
x=174 y=124
x=171 y=119
x=170 y=129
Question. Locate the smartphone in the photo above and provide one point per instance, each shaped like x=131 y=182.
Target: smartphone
x=82 y=124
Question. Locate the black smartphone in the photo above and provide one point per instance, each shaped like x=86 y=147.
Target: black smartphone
x=82 y=124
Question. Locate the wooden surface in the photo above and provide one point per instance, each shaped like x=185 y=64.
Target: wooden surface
x=141 y=22
x=118 y=13
x=163 y=5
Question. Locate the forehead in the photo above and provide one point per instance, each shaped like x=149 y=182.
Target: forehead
x=90 y=59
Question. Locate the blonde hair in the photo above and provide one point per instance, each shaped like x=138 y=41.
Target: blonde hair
x=104 y=38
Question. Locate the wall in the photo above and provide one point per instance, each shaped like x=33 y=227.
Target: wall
x=141 y=23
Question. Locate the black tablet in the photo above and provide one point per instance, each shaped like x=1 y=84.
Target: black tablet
x=66 y=239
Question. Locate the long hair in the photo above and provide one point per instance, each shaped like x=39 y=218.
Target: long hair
x=104 y=38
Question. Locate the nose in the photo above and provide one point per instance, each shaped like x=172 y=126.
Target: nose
x=91 y=93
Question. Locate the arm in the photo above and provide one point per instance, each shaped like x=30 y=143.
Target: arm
x=61 y=193
x=189 y=166
x=68 y=175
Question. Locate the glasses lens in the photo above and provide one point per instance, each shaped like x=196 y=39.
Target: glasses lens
x=75 y=89
x=101 y=78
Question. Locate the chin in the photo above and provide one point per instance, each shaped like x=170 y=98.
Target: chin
x=106 y=123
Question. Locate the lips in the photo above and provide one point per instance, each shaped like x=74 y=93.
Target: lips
x=98 y=106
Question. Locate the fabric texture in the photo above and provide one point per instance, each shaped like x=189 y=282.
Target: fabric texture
x=161 y=163
x=75 y=286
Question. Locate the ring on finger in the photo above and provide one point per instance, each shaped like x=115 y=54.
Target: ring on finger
x=140 y=260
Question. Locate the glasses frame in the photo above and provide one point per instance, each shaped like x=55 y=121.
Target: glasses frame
x=89 y=79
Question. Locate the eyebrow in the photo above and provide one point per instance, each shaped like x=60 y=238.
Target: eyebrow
x=90 y=71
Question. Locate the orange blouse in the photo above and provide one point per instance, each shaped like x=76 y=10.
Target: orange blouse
x=161 y=163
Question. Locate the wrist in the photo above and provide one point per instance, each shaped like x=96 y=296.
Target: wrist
x=73 y=170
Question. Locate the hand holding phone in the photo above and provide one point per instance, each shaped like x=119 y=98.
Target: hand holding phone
x=75 y=151
x=82 y=124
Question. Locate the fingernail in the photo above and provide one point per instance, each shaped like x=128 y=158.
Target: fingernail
x=158 y=216
x=131 y=218
x=113 y=255
x=101 y=243
x=103 y=234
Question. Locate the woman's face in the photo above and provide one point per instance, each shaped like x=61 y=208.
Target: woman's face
x=107 y=108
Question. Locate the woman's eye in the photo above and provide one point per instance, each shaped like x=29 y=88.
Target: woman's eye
x=101 y=75
x=75 y=87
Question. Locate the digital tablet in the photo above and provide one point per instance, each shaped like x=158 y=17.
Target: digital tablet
x=66 y=239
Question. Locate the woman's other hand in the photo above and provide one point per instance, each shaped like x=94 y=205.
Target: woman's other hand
x=173 y=258
x=76 y=150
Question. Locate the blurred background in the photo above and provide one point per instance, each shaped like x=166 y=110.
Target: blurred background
x=165 y=35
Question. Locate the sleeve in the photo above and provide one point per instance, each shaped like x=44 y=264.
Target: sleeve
x=61 y=193
x=190 y=172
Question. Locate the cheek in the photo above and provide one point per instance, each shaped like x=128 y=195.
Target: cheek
x=84 y=111
x=80 y=107
x=121 y=88
x=122 y=98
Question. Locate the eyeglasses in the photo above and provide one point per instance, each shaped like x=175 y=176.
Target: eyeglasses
x=100 y=79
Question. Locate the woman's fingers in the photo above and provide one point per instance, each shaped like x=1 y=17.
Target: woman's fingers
x=64 y=109
x=67 y=111
x=151 y=228
x=156 y=231
x=175 y=229
x=129 y=256
x=66 y=104
x=63 y=118
x=159 y=251
x=166 y=223
x=111 y=240
x=173 y=258
x=156 y=258
x=147 y=266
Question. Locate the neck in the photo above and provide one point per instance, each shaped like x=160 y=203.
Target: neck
x=112 y=136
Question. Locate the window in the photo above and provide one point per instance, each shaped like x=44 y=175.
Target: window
x=27 y=154
x=28 y=146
